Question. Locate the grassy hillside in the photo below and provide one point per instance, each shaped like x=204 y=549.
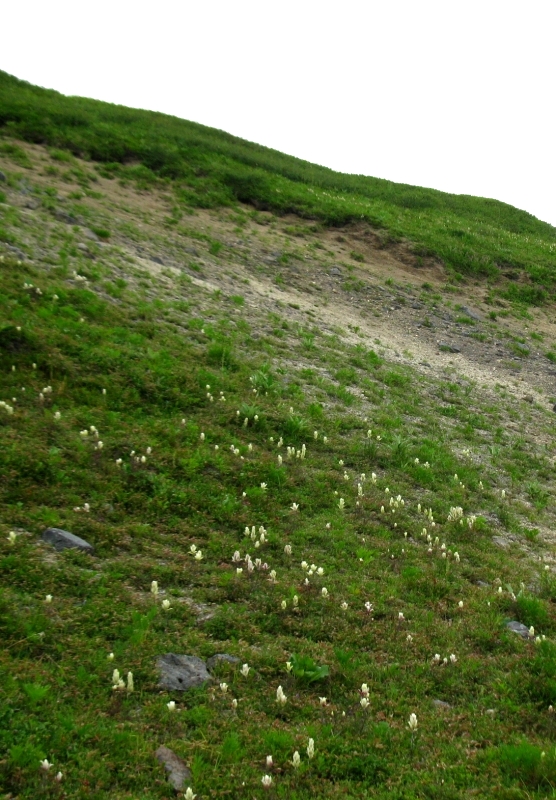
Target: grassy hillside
x=355 y=525
x=209 y=168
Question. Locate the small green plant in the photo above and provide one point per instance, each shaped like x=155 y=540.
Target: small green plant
x=295 y=427
x=527 y=763
x=215 y=248
x=221 y=355
x=35 y=692
x=533 y=611
x=306 y=670
x=263 y=380
x=102 y=233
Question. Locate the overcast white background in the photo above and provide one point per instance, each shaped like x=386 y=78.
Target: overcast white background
x=458 y=96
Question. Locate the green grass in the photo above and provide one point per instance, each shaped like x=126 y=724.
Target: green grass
x=209 y=169
x=143 y=520
x=216 y=416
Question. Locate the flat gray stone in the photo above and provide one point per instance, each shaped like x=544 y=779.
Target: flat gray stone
x=62 y=540
x=482 y=584
x=448 y=348
x=3 y=178
x=471 y=314
x=63 y=216
x=519 y=628
x=336 y=271
x=442 y=704
x=501 y=541
x=221 y=658
x=90 y=235
x=178 y=773
x=180 y=673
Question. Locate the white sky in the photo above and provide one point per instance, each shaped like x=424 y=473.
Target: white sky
x=454 y=95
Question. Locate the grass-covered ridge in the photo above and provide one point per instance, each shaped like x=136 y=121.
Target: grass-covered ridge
x=209 y=168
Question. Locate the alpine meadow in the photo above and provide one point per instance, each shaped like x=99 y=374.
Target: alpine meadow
x=277 y=454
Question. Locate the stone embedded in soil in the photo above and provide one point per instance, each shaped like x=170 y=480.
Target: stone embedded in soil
x=501 y=541
x=442 y=704
x=471 y=314
x=178 y=773
x=180 y=673
x=519 y=628
x=67 y=218
x=448 y=348
x=220 y=658
x=62 y=540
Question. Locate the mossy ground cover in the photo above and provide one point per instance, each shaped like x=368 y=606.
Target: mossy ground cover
x=153 y=418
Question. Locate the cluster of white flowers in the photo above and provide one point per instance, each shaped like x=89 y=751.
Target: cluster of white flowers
x=291 y=452
x=47 y=766
x=28 y=287
x=197 y=554
x=312 y=569
x=92 y=431
x=118 y=683
x=6 y=407
x=437 y=659
x=281 y=698
x=79 y=278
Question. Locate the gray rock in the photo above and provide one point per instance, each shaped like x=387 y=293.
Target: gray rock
x=501 y=541
x=482 y=584
x=220 y=658
x=470 y=314
x=3 y=178
x=157 y=260
x=519 y=628
x=83 y=247
x=62 y=540
x=441 y=704
x=448 y=348
x=336 y=271
x=17 y=252
x=192 y=251
x=90 y=235
x=178 y=773
x=181 y=672
x=65 y=217
x=31 y=203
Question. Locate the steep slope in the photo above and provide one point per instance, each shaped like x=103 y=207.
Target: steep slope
x=210 y=349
